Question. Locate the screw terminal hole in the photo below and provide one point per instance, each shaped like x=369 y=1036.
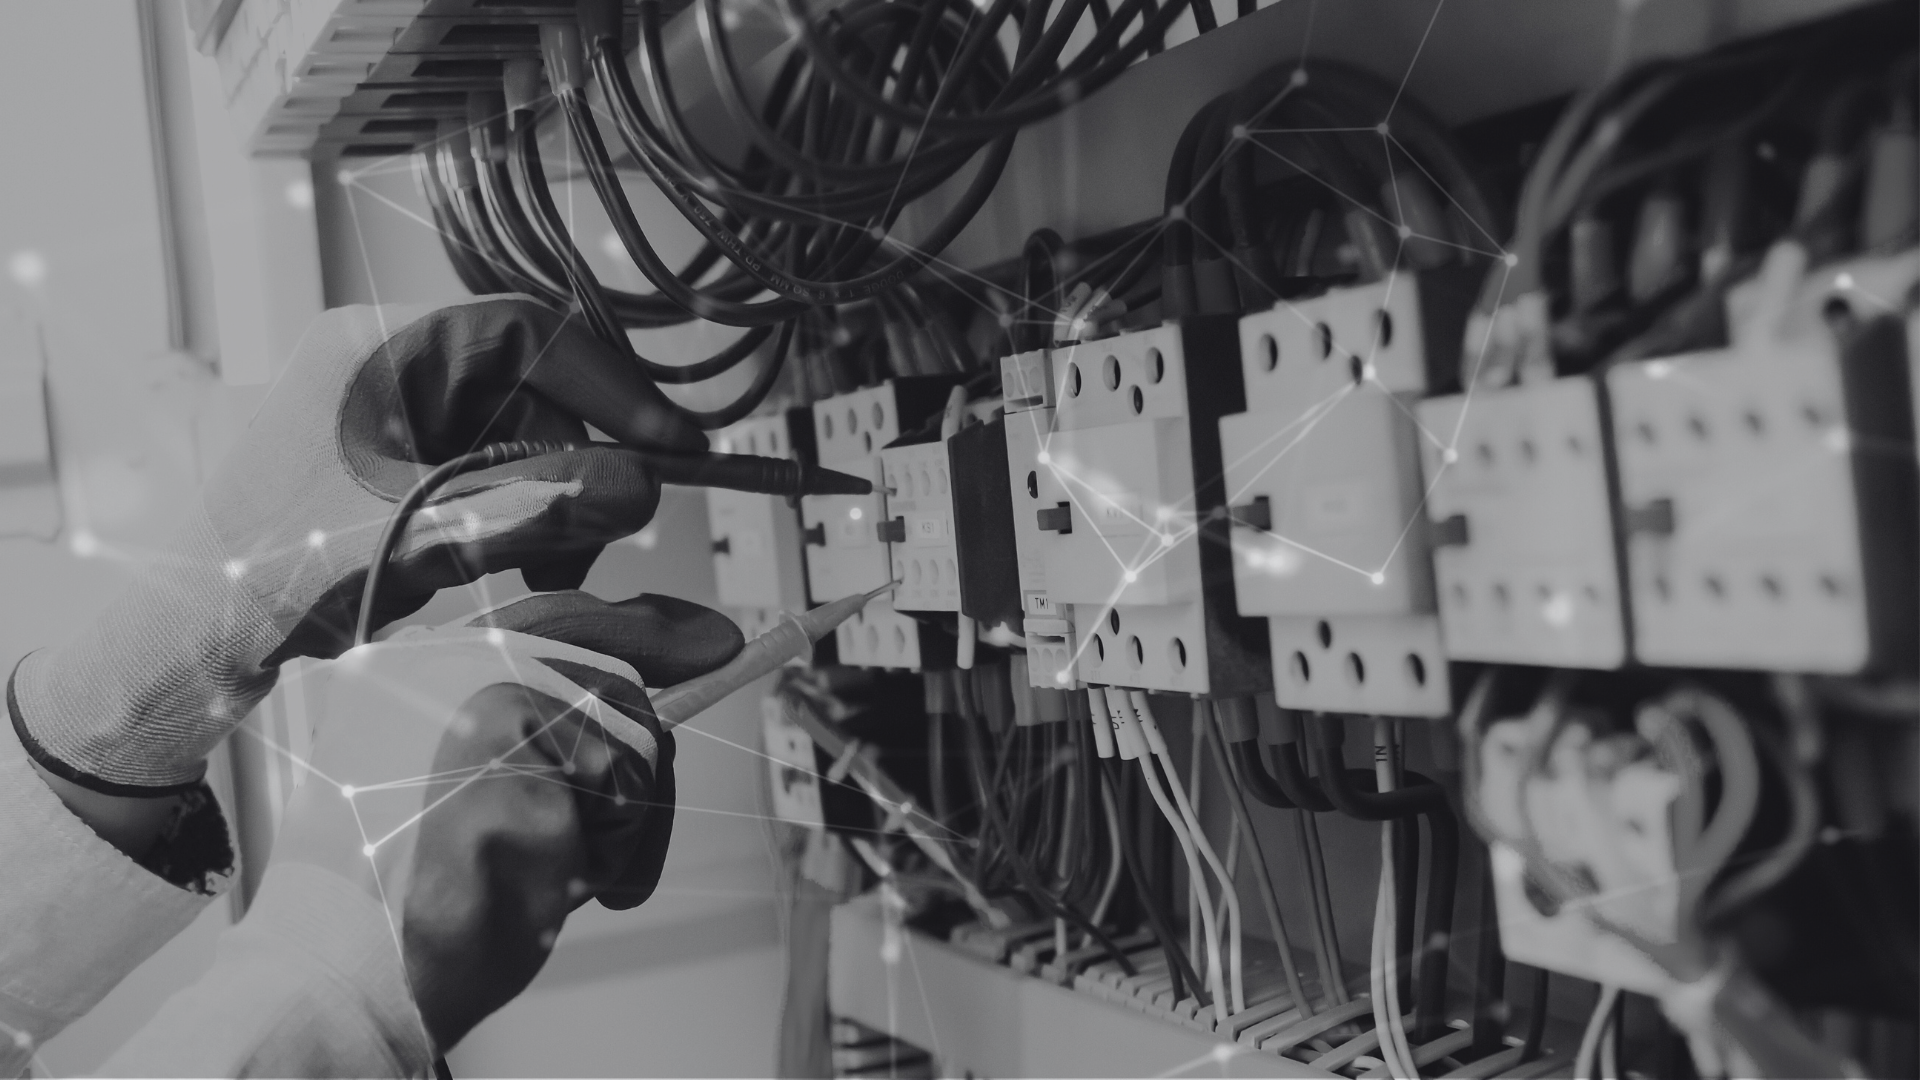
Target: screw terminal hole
x=1156 y=366
x=1302 y=671
x=1033 y=484
x=1325 y=631
x=1325 y=335
x=1139 y=402
x=1100 y=648
x=1383 y=326
x=853 y=421
x=1356 y=669
x=1110 y=372
x=1269 y=351
x=1416 y=669
x=1073 y=380
x=1139 y=651
x=1113 y=620
x=879 y=415
x=1177 y=652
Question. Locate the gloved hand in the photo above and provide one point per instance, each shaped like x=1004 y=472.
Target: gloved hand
x=468 y=787
x=271 y=564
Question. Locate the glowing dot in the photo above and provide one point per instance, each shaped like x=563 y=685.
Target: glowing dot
x=576 y=888
x=856 y=513
x=568 y=768
x=1659 y=369
x=431 y=513
x=1377 y=578
x=1843 y=281
x=22 y=1040
x=647 y=539
x=1299 y=77
x=1225 y=1051
x=1166 y=540
x=1370 y=373
x=235 y=568
x=619 y=800
x=1239 y=132
x=495 y=763
x=1060 y=676
x=1162 y=513
x=347 y=791
x=1406 y=232
x=1131 y=576
x=547 y=938
x=611 y=245
x=471 y=522
x=1839 y=440
x=300 y=194
x=1043 y=457
x=1558 y=610
x=367 y=850
x=28 y=267
x=1510 y=259
x=877 y=233
x=316 y=539
x=1450 y=455
x=1177 y=212
x=345 y=178
x=84 y=543
x=496 y=636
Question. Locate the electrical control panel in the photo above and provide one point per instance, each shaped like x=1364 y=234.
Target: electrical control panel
x=1135 y=543
x=919 y=527
x=1324 y=485
x=757 y=563
x=1524 y=560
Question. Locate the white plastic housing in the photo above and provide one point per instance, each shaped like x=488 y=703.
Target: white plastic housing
x=1536 y=580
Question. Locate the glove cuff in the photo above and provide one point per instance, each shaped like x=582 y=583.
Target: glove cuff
x=134 y=704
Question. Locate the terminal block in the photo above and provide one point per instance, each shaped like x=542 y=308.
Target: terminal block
x=846 y=553
x=919 y=527
x=882 y=637
x=1525 y=563
x=1324 y=488
x=1136 y=539
x=757 y=564
x=1768 y=503
x=1033 y=486
x=792 y=763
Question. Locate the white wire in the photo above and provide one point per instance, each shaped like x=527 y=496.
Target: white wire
x=1216 y=984
x=1584 y=1061
x=1377 y=976
x=1235 y=952
x=1394 y=1035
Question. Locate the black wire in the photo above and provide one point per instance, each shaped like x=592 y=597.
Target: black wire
x=1179 y=967
x=1031 y=882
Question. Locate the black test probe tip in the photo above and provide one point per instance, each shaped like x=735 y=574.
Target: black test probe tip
x=749 y=472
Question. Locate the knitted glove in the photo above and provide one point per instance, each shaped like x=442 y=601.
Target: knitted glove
x=271 y=564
